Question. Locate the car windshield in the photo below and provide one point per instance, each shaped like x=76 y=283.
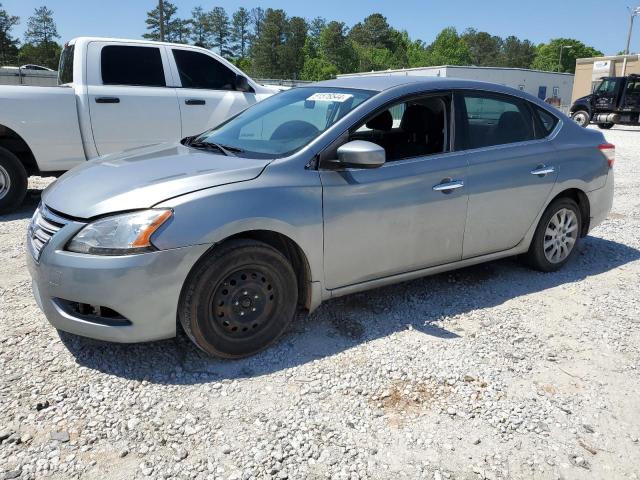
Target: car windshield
x=284 y=123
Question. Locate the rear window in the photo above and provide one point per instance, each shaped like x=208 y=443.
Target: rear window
x=547 y=122
x=65 y=69
x=127 y=65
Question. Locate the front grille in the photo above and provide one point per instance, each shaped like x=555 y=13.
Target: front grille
x=44 y=225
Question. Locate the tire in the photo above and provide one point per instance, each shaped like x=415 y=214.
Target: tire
x=541 y=258
x=13 y=181
x=605 y=126
x=239 y=299
x=581 y=117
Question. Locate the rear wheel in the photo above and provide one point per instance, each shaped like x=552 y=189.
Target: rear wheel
x=239 y=300
x=581 y=117
x=556 y=237
x=13 y=181
x=605 y=126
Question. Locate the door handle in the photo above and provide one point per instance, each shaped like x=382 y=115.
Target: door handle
x=195 y=101
x=542 y=170
x=107 y=100
x=448 y=185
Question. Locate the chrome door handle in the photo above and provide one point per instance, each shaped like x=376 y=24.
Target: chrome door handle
x=542 y=170
x=448 y=186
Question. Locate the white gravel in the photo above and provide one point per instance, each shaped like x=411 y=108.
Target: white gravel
x=494 y=371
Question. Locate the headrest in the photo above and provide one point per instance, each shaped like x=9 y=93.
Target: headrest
x=417 y=119
x=384 y=121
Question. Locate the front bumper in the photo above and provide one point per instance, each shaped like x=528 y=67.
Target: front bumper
x=144 y=289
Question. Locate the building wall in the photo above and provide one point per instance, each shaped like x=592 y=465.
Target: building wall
x=590 y=70
x=529 y=81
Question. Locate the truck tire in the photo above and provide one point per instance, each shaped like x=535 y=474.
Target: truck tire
x=581 y=117
x=13 y=181
x=605 y=126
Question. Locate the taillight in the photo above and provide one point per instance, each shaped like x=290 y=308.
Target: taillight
x=609 y=152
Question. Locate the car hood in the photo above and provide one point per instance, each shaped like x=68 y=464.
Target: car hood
x=144 y=177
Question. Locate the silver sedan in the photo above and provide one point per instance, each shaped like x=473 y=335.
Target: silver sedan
x=317 y=192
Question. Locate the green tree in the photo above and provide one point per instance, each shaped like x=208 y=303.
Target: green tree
x=335 y=48
x=417 y=55
x=291 y=55
x=241 y=32
x=484 y=48
x=257 y=19
x=267 y=46
x=516 y=53
x=220 y=30
x=374 y=31
x=40 y=40
x=181 y=31
x=449 y=49
x=318 y=69
x=312 y=46
x=168 y=20
x=548 y=54
x=200 y=28
x=8 y=44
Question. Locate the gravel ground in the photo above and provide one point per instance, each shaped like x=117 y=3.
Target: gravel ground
x=489 y=372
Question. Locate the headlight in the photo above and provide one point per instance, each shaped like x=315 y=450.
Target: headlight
x=120 y=234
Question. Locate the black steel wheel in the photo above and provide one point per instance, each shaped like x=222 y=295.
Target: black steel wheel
x=581 y=117
x=13 y=181
x=605 y=126
x=239 y=299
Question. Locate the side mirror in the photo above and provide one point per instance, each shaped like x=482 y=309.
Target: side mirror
x=242 y=84
x=360 y=154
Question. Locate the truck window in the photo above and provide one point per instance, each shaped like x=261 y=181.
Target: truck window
x=127 y=65
x=608 y=85
x=198 y=70
x=65 y=69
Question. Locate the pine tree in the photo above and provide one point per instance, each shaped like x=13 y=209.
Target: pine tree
x=200 y=27
x=240 y=32
x=220 y=30
x=40 y=39
x=268 y=44
x=169 y=22
x=8 y=44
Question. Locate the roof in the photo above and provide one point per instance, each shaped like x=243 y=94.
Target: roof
x=380 y=83
x=633 y=56
x=439 y=67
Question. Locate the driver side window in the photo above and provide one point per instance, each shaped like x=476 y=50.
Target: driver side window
x=198 y=70
x=408 y=129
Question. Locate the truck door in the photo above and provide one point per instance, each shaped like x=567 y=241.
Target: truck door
x=631 y=102
x=129 y=101
x=604 y=97
x=206 y=90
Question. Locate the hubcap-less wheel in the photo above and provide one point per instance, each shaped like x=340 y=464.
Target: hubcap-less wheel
x=243 y=303
x=560 y=235
x=581 y=118
x=5 y=182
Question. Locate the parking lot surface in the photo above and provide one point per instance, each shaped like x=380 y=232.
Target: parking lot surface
x=494 y=371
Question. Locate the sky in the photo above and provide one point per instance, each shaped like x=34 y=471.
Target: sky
x=601 y=24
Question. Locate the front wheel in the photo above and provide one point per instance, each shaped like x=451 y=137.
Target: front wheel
x=581 y=117
x=239 y=299
x=13 y=181
x=556 y=237
x=605 y=126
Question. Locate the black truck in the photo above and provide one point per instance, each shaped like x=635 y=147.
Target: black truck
x=615 y=101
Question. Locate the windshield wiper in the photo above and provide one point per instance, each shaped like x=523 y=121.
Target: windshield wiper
x=227 y=150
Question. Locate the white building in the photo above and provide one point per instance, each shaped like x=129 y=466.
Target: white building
x=536 y=82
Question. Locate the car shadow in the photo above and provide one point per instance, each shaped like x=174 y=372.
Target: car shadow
x=346 y=322
x=29 y=205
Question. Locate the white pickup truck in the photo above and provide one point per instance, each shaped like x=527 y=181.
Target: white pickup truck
x=114 y=95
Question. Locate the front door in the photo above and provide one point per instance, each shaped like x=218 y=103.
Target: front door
x=129 y=102
x=512 y=168
x=207 y=95
x=399 y=217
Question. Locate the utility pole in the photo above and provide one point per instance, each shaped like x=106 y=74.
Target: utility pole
x=560 y=59
x=633 y=12
x=161 y=9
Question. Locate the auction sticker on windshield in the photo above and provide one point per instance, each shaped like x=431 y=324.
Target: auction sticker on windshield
x=330 y=97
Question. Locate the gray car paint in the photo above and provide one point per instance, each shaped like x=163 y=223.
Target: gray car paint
x=354 y=244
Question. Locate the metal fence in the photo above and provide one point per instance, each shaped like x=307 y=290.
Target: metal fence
x=281 y=82
x=20 y=76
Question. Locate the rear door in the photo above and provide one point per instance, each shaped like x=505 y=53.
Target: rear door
x=512 y=168
x=206 y=90
x=129 y=101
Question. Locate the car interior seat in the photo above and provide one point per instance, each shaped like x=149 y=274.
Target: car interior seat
x=511 y=127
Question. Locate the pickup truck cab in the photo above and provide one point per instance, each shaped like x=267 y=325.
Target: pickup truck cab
x=616 y=100
x=113 y=95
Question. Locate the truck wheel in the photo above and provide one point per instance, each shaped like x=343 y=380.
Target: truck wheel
x=239 y=299
x=605 y=126
x=13 y=181
x=581 y=117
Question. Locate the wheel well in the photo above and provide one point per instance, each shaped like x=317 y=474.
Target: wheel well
x=294 y=254
x=16 y=145
x=582 y=200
